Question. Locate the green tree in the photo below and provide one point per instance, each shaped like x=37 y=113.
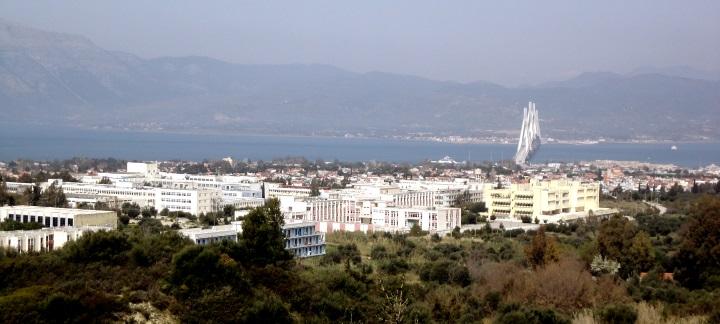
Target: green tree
x=131 y=209
x=32 y=195
x=314 y=188
x=53 y=197
x=640 y=254
x=698 y=259
x=262 y=234
x=148 y=212
x=5 y=197
x=619 y=239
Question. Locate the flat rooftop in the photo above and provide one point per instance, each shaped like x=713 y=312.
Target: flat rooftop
x=74 y=211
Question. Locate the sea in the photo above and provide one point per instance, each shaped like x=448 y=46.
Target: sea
x=40 y=143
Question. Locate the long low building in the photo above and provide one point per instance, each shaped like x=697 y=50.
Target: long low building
x=194 y=201
x=59 y=217
x=45 y=239
x=205 y=236
x=301 y=238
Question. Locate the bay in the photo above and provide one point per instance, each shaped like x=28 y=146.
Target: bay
x=41 y=143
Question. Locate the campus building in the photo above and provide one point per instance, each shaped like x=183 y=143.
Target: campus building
x=45 y=239
x=59 y=217
x=205 y=236
x=551 y=201
x=301 y=238
x=402 y=219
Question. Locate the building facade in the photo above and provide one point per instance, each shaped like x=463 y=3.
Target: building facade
x=545 y=200
x=59 y=217
x=302 y=240
x=428 y=219
x=45 y=239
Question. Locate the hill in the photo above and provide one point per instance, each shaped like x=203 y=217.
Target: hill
x=50 y=78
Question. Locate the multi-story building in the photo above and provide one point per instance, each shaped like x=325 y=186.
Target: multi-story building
x=302 y=240
x=403 y=218
x=332 y=210
x=45 y=239
x=436 y=198
x=59 y=217
x=195 y=202
x=147 y=169
x=545 y=200
x=144 y=197
x=205 y=236
x=274 y=190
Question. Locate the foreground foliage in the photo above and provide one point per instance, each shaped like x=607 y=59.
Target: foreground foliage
x=545 y=276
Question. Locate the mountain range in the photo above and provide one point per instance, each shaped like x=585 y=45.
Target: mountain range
x=49 y=78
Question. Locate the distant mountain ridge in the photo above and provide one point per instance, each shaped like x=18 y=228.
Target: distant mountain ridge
x=50 y=78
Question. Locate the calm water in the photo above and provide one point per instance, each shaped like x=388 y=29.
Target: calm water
x=66 y=143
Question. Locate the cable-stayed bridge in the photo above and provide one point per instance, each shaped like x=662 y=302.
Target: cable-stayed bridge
x=529 y=141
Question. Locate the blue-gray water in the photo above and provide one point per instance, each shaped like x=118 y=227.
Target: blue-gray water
x=49 y=144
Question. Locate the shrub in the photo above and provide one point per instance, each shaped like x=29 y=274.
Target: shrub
x=100 y=246
x=394 y=266
x=379 y=252
x=512 y=314
x=618 y=314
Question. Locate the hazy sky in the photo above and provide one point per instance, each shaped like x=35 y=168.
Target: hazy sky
x=509 y=42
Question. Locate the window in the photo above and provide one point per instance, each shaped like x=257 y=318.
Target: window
x=62 y=221
x=54 y=221
x=70 y=222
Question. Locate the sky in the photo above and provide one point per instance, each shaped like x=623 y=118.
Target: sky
x=507 y=42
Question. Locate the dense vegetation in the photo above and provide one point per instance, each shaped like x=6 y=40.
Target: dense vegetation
x=585 y=271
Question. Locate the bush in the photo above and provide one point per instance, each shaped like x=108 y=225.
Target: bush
x=511 y=314
x=445 y=272
x=618 y=314
x=100 y=246
x=345 y=252
x=394 y=266
x=379 y=252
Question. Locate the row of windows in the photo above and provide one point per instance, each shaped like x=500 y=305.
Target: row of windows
x=184 y=201
x=171 y=193
x=46 y=221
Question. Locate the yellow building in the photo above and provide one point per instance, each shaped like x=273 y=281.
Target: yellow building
x=545 y=200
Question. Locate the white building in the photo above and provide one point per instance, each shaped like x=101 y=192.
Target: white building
x=194 y=201
x=190 y=201
x=45 y=239
x=301 y=238
x=59 y=217
x=205 y=236
x=401 y=219
x=275 y=190
x=148 y=169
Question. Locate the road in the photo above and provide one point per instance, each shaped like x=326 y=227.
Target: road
x=660 y=208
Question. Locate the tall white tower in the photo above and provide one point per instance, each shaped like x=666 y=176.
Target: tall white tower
x=529 y=134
